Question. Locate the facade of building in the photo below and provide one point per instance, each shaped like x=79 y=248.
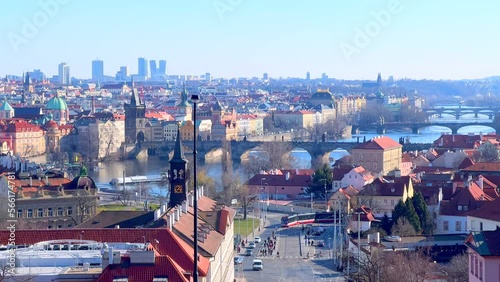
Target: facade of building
x=23 y=138
x=484 y=255
x=57 y=109
x=380 y=155
x=52 y=202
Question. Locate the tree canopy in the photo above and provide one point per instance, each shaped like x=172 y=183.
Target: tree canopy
x=321 y=177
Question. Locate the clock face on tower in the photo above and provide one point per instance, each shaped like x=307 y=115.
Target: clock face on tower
x=178 y=188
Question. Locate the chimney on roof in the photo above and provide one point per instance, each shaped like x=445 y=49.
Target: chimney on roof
x=481 y=182
x=176 y=213
x=287 y=175
x=31 y=181
x=184 y=207
x=47 y=180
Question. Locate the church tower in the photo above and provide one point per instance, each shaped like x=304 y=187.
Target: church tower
x=177 y=174
x=184 y=108
x=379 y=80
x=135 y=119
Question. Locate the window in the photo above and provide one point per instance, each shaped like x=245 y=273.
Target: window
x=459 y=208
x=59 y=211
x=19 y=213
x=39 y=212
x=472 y=264
x=392 y=202
x=70 y=210
x=480 y=226
x=30 y=213
x=466 y=208
x=445 y=225
x=50 y=212
x=481 y=270
x=475 y=266
x=385 y=202
x=458 y=226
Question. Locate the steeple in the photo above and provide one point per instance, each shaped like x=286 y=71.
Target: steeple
x=178 y=174
x=379 y=79
x=178 y=156
x=135 y=100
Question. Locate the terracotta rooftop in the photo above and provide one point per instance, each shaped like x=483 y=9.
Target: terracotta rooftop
x=379 y=143
x=490 y=211
x=484 y=167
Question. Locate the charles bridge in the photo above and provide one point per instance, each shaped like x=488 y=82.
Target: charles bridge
x=241 y=149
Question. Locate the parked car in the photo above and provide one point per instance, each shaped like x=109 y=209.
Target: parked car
x=257 y=239
x=238 y=260
x=248 y=252
x=393 y=238
x=257 y=264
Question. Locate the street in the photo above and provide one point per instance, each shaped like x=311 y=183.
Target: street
x=292 y=264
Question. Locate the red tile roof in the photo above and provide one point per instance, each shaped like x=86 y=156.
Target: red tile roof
x=484 y=167
x=490 y=211
x=169 y=244
x=379 y=143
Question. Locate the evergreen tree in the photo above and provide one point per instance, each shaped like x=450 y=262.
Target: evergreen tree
x=386 y=224
x=412 y=216
x=321 y=177
x=422 y=212
x=399 y=211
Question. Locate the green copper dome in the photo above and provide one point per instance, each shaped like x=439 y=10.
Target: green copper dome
x=57 y=103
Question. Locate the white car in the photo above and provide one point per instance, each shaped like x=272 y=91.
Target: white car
x=257 y=264
x=392 y=238
x=257 y=239
x=251 y=245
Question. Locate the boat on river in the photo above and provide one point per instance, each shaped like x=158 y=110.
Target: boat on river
x=136 y=179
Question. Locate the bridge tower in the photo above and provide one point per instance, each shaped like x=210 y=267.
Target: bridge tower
x=178 y=174
x=135 y=118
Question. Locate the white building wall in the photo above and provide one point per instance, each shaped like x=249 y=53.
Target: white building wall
x=475 y=224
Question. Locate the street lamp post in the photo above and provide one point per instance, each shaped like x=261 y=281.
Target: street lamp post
x=195 y=99
x=359 y=241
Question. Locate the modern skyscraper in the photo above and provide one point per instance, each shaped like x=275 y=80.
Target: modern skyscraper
x=122 y=74
x=208 y=77
x=265 y=76
x=64 y=74
x=97 y=70
x=163 y=67
x=153 y=68
x=308 y=76
x=142 y=68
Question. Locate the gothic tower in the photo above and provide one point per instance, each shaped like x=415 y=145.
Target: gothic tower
x=184 y=108
x=135 y=119
x=379 y=80
x=177 y=174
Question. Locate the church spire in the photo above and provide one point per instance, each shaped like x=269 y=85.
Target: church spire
x=178 y=156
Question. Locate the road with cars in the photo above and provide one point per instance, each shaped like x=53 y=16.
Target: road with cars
x=293 y=262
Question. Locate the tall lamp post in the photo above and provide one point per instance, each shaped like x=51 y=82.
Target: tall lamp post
x=195 y=98
x=359 y=241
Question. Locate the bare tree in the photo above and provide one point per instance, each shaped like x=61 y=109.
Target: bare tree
x=125 y=196
x=458 y=268
x=207 y=182
x=84 y=202
x=403 y=228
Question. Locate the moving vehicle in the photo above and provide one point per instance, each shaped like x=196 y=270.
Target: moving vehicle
x=251 y=245
x=393 y=238
x=306 y=218
x=257 y=264
x=257 y=239
x=238 y=260
x=248 y=252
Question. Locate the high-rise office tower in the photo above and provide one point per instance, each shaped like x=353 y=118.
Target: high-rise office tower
x=208 y=77
x=122 y=74
x=153 y=68
x=308 y=76
x=265 y=76
x=64 y=74
x=163 y=67
x=97 y=70
x=142 y=68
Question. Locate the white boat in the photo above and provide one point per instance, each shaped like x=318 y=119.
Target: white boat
x=136 y=179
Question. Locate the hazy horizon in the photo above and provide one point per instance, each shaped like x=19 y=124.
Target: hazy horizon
x=239 y=38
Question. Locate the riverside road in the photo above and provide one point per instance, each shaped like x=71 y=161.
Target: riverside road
x=292 y=264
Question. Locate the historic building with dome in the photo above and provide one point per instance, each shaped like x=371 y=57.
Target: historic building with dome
x=44 y=202
x=58 y=108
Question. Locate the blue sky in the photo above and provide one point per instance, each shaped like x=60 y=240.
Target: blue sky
x=437 y=39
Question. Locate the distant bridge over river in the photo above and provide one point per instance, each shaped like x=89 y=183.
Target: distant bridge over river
x=240 y=149
x=416 y=127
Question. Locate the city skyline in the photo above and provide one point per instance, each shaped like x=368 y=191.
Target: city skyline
x=238 y=38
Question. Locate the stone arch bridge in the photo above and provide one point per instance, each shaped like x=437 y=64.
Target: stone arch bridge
x=240 y=149
x=416 y=127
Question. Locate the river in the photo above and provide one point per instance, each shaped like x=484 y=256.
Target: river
x=154 y=166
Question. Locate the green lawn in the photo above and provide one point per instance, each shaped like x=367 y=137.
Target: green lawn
x=118 y=207
x=244 y=227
